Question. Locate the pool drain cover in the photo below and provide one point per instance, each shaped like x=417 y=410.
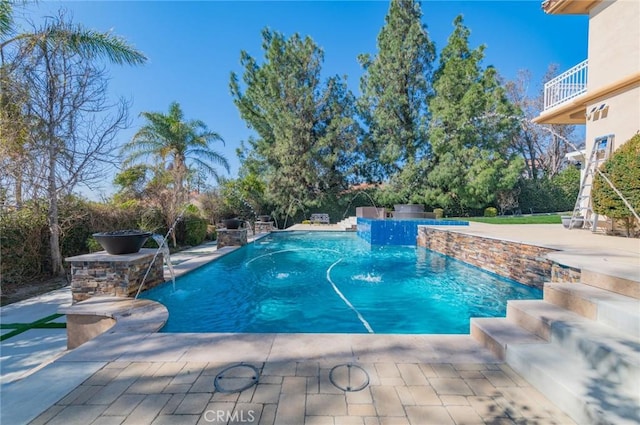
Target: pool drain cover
x=349 y=377
x=236 y=378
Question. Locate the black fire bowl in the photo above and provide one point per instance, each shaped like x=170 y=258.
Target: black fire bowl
x=122 y=241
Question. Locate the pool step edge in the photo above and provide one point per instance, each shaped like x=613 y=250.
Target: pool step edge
x=579 y=346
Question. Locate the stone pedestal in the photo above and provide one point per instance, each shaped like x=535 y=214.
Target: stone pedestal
x=232 y=237
x=263 y=226
x=113 y=275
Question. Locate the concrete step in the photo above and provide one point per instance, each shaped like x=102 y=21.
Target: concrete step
x=611 y=353
x=627 y=287
x=537 y=316
x=498 y=333
x=582 y=392
x=619 y=311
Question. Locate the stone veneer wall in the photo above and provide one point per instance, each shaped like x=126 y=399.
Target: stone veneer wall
x=560 y=273
x=231 y=237
x=113 y=275
x=521 y=262
x=263 y=226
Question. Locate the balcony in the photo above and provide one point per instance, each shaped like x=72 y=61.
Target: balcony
x=566 y=86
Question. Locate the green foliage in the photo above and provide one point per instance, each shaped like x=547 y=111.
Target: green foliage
x=395 y=88
x=306 y=131
x=23 y=242
x=192 y=230
x=93 y=245
x=550 y=195
x=490 y=212
x=623 y=170
x=180 y=147
x=439 y=212
x=471 y=157
x=131 y=182
x=568 y=182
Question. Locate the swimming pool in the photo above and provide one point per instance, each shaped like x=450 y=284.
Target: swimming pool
x=337 y=283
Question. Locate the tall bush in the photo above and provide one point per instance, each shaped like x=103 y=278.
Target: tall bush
x=23 y=243
x=623 y=170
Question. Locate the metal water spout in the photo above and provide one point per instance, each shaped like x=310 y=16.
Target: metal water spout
x=249 y=227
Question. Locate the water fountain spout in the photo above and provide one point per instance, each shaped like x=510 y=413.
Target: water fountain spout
x=249 y=227
x=289 y=210
x=344 y=215
x=166 y=254
x=162 y=246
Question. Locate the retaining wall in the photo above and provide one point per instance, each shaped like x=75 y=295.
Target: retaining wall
x=521 y=262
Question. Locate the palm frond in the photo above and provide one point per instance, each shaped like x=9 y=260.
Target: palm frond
x=6 y=18
x=208 y=157
x=91 y=44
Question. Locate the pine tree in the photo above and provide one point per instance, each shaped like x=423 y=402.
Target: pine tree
x=395 y=88
x=306 y=131
x=471 y=129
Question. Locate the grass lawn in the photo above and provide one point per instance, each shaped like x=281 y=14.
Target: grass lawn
x=523 y=219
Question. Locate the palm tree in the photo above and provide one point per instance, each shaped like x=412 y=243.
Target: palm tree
x=179 y=147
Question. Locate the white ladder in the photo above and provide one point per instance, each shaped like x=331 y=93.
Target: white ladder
x=600 y=151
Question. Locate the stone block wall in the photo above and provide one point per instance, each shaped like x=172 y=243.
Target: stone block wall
x=263 y=226
x=232 y=237
x=521 y=262
x=113 y=275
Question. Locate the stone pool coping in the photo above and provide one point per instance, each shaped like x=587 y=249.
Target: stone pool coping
x=98 y=315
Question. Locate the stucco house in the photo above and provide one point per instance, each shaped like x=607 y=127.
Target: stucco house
x=603 y=91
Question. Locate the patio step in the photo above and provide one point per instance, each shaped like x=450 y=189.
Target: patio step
x=618 y=285
x=498 y=333
x=618 y=311
x=580 y=346
x=585 y=394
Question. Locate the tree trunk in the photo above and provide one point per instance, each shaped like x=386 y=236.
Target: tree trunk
x=57 y=268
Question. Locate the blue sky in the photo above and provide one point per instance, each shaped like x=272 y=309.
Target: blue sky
x=193 y=46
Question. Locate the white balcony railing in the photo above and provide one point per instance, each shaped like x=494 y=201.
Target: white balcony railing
x=566 y=86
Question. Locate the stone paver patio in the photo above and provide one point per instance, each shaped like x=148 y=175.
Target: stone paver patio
x=299 y=393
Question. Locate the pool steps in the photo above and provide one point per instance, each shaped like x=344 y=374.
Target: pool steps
x=580 y=346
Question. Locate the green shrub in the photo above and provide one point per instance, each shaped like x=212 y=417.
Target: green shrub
x=24 y=241
x=490 y=212
x=212 y=233
x=439 y=212
x=93 y=245
x=623 y=170
x=195 y=230
x=549 y=195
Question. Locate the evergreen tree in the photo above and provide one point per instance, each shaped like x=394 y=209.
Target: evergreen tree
x=395 y=88
x=306 y=131
x=471 y=129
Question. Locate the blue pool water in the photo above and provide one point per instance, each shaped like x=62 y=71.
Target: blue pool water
x=334 y=282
